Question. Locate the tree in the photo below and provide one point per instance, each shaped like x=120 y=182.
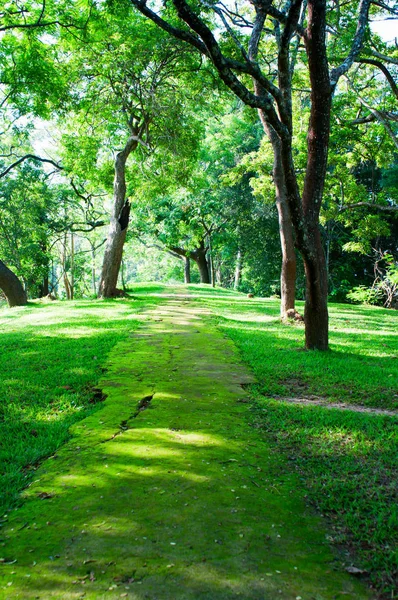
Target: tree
x=128 y=105
x=238 y=58
x=12 y=287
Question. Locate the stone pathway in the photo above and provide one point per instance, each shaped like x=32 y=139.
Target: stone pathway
x=167 y=492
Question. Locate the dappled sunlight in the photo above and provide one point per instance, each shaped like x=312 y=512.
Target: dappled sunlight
x=167 y=491
x=142 y=449
x=73 y=332
x=250 y=318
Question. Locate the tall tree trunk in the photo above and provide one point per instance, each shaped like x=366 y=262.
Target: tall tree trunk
x=316 y=311
x=187 y=269
x=12 y=287
x=199 y=256
x=118 y=225
x=211 y=263
x=72 y=266
x=316 y=293
x=238 y=269
x=93 y=270
x=286 y=233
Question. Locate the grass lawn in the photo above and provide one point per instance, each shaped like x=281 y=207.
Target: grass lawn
x=347 y=460
x=51 y=359
x=53 y=354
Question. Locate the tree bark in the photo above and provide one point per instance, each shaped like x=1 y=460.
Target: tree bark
x=187 y=269
x=211 y=262
x=65 y=274
x=12 y=287
x=72 y=266
x=199 y=256
x=93 y=270
x=316 y=312
x=238 y=269
x=45 y=288
x=316 y=317
x=286 y=234
x=118 y=225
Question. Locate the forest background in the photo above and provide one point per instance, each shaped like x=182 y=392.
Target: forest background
x=106 y=118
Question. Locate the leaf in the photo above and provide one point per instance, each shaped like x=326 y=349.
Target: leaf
x=355 y=571
x=45 y=495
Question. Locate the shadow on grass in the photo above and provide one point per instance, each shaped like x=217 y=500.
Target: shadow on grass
x=145 y=513
x=51 y=358
x=359 y=368
x=348 y=462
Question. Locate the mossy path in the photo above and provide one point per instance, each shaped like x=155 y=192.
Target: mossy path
x=167 y=492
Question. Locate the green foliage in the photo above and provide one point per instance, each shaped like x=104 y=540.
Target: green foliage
x=365 y=295
x=384 y=290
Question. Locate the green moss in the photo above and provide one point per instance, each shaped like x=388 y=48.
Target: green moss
x=176 y=496
x=51 y=357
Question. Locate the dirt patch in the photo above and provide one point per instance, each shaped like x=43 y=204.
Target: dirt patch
x=318 y=401
x=295 y=385
x=97 y=395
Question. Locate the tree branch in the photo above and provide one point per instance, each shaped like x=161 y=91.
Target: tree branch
x=180 y=34
x=29 y=157
x=383 y=69
x=378 y=115
x=369 y=205
x=356 y=46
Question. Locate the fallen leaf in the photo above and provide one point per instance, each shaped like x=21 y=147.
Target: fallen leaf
x=355 y=571
x=45 y=495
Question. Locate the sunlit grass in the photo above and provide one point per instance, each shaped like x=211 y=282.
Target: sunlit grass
x=52 y=355
x=347 y=460
x=51 y=358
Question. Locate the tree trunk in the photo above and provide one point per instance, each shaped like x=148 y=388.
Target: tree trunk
x=203 y=269
x=316 y=317
x=289 y=266
x=72 y=266
x=122 y=275
x=187 y=269
x=238 y=269
x=316 y=312
x=12 y=287
x=45 y=288
x=199 y=256
x=118 y=225
x=93 y=270
x=218 y=274
x=211 y=263
x=65 y=274
x=286 y=233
